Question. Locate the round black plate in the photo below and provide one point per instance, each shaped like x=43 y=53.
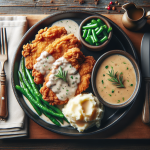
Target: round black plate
x=118 y=41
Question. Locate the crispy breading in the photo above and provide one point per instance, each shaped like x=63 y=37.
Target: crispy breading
x=44 y=37
x=83 y=64
x=57 y=49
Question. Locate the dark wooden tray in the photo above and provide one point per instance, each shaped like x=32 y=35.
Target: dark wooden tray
x=113 y=118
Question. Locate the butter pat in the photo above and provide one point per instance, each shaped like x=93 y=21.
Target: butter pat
x=83 y=111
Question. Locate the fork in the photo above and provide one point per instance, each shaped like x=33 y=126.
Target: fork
x=3 y=58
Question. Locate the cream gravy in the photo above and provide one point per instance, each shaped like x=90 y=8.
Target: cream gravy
x=70 y=25
x=109 y=92
x=64 y=90
x=44 y=63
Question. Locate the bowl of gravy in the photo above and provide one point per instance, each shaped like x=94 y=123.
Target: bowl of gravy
x=116 y=79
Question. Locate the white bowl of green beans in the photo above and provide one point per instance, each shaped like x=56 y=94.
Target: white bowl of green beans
x=95 y=32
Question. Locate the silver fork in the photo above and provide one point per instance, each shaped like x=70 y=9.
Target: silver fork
x=3 y=58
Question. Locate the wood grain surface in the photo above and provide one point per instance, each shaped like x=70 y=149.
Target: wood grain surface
x=47 y=7
x=134 y=129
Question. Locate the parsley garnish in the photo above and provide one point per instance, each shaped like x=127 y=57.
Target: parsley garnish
x=118 y=101
x=106 y=67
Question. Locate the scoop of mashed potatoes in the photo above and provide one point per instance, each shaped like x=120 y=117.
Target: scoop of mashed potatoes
x=83 y=111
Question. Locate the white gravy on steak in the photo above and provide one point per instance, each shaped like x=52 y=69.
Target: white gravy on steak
x=64 y=90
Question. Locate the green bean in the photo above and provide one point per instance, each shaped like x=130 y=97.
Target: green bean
x=60 y=119
x=89 y=32
x=100 y=21
x=84 y=33
x=25 y=94
x=26 y=81
x=109 y=30
x=89 y=40
x=94 y=35
x=93 y=21
x=103 y=39
x=21 y=80
x=31 y=72
x=96 y=29
x=37 y=86
x=24 y=86
x=59 y=111
x=88 y=24
x=92 y=38
x=100 y=30
x=41 y=106
x=33 y=79
x=32 y=82
x=36 y=92
x=92 y=26
x=105 y=27
x=105 y=33
x=52 y=118
x=55 y=108
x=97 y=44
x=25 y=77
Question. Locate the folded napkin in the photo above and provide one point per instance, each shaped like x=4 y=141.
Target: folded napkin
x=16 y=124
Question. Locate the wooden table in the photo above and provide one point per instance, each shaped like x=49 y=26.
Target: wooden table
x=52 y=6
x=134 y=129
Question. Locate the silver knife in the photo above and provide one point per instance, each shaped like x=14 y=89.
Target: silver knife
x=145 y=65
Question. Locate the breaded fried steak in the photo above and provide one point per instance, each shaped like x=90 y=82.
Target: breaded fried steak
x=70 y=75
x=44 y=37
x=53 y=52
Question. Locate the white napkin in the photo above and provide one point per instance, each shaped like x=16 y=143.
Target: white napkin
x=16 y=124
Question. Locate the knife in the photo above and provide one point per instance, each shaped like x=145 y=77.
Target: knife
x=145 y=65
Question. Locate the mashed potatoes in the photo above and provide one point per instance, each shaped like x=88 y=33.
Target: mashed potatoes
x=83 y=111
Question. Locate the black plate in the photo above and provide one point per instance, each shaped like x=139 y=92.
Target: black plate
x=118 y=41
